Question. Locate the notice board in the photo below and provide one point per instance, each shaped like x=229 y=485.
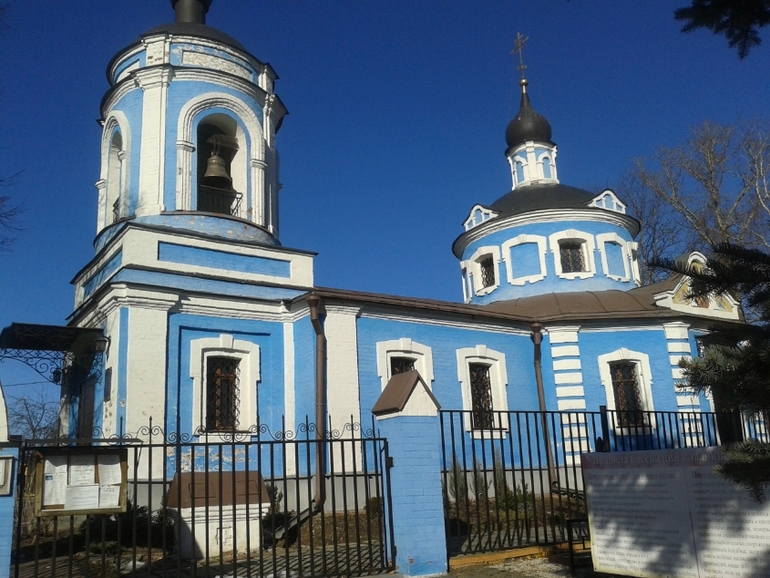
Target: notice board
x=666 y=513
x=81 y=480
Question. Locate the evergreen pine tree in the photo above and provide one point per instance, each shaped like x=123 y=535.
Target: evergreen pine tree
x=735 y=362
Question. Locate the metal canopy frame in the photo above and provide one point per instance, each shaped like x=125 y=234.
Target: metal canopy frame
x=54 y=351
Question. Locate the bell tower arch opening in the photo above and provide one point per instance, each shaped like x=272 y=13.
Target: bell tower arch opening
x=221 y=173
x=114 y=178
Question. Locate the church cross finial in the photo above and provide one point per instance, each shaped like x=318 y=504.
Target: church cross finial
x=518 y=48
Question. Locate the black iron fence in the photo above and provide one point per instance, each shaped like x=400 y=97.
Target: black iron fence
x=520 y=482
x=246 y=504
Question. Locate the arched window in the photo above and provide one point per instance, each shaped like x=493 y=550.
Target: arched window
x=221 y=168
x=519 y=172
x=544 y=166
x=115 y=178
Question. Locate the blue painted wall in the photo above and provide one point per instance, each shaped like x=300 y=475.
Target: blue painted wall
x=531 y=263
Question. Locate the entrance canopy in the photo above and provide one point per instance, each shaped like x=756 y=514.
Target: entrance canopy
x=51 y=349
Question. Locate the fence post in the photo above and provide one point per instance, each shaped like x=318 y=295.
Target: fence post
x=9 y=466
x=407 y=415
x=605 y=429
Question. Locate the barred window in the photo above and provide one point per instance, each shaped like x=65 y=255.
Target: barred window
x=487 y=267
x=222 y=381
x=572 y=257
x=481 y=396
x=400 y=365
x=628 y=399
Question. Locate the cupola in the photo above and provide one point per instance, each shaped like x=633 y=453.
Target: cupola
x=530 y=153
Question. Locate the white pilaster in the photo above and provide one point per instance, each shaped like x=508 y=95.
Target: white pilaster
x=154 y=83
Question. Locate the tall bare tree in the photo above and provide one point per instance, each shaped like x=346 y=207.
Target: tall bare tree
x=711 y=189
x=33 y=416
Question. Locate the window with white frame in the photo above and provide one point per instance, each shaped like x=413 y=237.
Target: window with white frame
x=222 y=393
x=627 y=380
x=485 y=270
x=225 y=373
x=616 y=256
x=573 y=254
x=483 y=378
x=482 y=416
x=400 y=355
x=524 y=257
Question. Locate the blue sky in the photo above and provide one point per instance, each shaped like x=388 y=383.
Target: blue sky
x=397 y=118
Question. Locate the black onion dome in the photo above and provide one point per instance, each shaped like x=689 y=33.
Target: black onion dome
x=527 y=124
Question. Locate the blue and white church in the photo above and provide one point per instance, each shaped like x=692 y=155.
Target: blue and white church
x=214 y=326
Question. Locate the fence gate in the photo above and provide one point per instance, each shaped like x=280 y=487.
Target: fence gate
x=244 y=504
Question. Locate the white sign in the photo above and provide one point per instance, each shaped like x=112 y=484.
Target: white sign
x=666 y=513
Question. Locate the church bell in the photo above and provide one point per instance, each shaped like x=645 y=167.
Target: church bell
x=215 y=168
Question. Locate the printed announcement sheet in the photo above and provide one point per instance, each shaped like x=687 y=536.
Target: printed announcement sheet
x=666 y=513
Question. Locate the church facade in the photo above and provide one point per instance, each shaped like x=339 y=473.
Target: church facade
x=215 y=327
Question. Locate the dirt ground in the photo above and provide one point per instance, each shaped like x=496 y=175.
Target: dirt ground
x=526 y=568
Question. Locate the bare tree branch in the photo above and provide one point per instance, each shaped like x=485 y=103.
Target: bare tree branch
x=709 y=190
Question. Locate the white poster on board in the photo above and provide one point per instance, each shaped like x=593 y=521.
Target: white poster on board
x=666 y=513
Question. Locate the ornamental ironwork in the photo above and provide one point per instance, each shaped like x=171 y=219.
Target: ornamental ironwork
x=63 y=355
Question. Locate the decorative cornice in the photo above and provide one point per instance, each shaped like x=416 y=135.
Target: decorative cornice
x=544 y=216
x=336 y=309
x=489 y=325
x=147 y=78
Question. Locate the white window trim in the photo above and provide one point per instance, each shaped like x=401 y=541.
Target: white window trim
x=226 y=345
x=644 y=375
x=588 y=253
x=404 y=347
x=475 y=267
x=498 y=378
x=633 y=248
x=482 y=212
x=604 y=239
x=541 y=166
x=615 y=204
x=466 y=279
x=541 y=251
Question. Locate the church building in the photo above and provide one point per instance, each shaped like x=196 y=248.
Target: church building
x=215 y=327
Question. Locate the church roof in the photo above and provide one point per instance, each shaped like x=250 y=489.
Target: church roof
x=635 y=303
x=196 y=30
x=539 y=196
x=638 y=303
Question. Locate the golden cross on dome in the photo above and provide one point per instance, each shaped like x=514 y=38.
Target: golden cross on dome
x=518 y=47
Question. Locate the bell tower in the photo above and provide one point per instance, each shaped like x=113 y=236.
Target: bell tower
x=187 y=249
x=189 y=126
